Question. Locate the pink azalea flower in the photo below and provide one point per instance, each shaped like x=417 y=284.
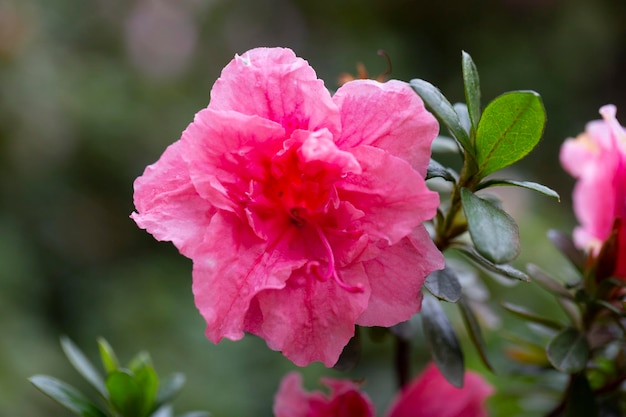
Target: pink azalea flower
x=428 y=395
x=302 y=212
x=597 y=158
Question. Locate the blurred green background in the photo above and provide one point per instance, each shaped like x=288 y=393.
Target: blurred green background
x=91 y=91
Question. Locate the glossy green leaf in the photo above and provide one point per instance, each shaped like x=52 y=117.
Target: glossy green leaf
x=568 y=351
x=444 y=285
x=549 y=283
x=169 y=388
x=504 y=270
x=494 y=233
x=540 y=188
x=444 y=111
x=67 y=396
x=580 y=399
x=107 y=356
x=84 y=367
x=471 y=86
x=442 y=341
x=436 y=170
x=125 y=393
x=509 y=129
x=528 y=315
x=473 y=329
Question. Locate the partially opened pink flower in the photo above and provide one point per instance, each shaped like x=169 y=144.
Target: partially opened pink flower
x=302 y=212
x=597 y=158
x=428 y=395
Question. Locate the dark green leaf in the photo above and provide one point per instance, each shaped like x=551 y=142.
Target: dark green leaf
x=80 y=362
x=580 y=399
x=504 y=270
x=540 y=188
x=404 y=330
x=530 y=316
x=464 y=119
x=435 y=169
x=125 y=393
x=444 y=111
x=473 y=329
x=565 y=244
x=107 y=356
x=471 y=85
x=549 y=283
x=568 y=351
x=67 y=396
x=351 y=354
x=444 y=285
x=170 y=388
x=494 y=233
x=442 y=342
x=509 y=129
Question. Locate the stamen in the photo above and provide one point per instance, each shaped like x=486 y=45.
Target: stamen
x=331 y=272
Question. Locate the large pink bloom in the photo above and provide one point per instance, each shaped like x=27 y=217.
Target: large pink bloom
x=302 y=212
x=428 y=395
x=597 y=158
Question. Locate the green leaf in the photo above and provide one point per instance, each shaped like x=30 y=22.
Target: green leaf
x=565 y=245
x=531 y=316
x=170 y=388
x=504 y=270
x=549 y=283
x=125 y=393
x=351 y=354
x=580 y=399
x=540 y=188
x=148 y=381
x=444 y=111
x=568 y=351
x=67 y=396
x=494 y=233
x=471 y=85
x=442 y=342
x=107 y=356
x=80 y=362
x=509 y=129
x=444 y=285
x=473 y=329
x=436 y=170
x=139 y=361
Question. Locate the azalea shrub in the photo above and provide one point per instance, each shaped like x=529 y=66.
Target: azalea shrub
x=311 y=215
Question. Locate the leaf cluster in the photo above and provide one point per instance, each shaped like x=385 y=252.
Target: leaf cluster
x=130 y=391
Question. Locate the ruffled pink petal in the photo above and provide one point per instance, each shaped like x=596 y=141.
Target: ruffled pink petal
x=430 y=395
x=393 y=196
x=309 y=320
x=231 y=267
x=396 y=277
x=390 y=116
x=226 y=150
x=168 y=205
x=275 y=84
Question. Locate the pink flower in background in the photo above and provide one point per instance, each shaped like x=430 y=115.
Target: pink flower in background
x=431 y=395
x=302 y=212
x=428 y=395
x=344 y=399
x=597 y=158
